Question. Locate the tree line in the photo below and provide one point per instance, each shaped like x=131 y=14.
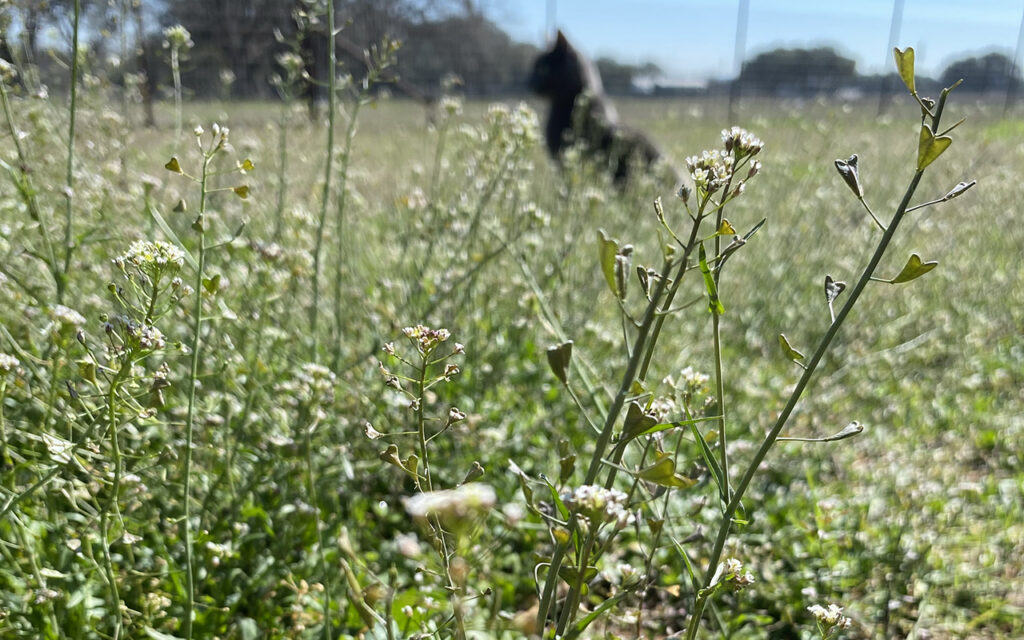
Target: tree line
x=238 y=46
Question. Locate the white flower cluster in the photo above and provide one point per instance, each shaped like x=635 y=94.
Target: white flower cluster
x=291 y=62
x=694 y=379
x=740 y=579
x=600 y=504
x=7 y=71
x=177 y=37
x=741 y=142
x=152 y=257
x=518 y=126
x=830 y=617
x=8 y=363
x=710 y=170
x=448 y=504
x=425 y=338
x=67 y=317
x=150 y=338
x=312 y=385
x=451 y=106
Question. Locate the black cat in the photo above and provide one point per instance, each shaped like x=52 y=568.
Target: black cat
x=581 y=114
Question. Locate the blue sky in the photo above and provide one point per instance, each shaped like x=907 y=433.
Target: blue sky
x=695 y=39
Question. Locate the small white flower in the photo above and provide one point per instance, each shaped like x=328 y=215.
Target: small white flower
x=829 y=617
x=457 y=504
x=8 y=363
x=67 y=317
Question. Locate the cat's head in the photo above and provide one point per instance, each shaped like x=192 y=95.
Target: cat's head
x=560 y=72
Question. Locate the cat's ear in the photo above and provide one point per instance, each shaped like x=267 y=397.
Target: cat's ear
x=561 y=44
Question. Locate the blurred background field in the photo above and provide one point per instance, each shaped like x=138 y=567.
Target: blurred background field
x=450 y=214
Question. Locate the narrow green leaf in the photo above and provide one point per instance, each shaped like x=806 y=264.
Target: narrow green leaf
x=850 y=430
x=607 y=250
x=755 y=229
x=905 y=67
x=914 y=269
x=714 y=304
x=557 y=499
x=665 y=426
x=579 y=627
x=787 y=349
x=711 y=462
x=173 y=237
x=524 y=484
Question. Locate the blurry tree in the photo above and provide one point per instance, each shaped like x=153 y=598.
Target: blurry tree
x=232 y=36
x=798 y=71
x=619 y=78
x=992 y=72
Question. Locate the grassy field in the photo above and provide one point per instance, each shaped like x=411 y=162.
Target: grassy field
x=297 y=517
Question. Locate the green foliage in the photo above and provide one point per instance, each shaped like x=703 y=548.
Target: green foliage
x=303 y=469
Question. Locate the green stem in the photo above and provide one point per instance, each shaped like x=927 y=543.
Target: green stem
x=716 y=330
x=332 y=101
x=605 y=437
x=28 y=192
x=115 y=491
x=176 y=74
x=70 y=177
x=326 y=576
x=780 y=423
x=190 y=418
x=282 y=168
x=421 y=423
x=3 y=428
x=660 y=322
x=573 y=601
x=339 y=262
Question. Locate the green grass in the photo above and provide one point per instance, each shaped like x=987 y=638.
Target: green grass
x=915 y=526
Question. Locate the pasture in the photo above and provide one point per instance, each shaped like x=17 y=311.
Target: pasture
x=313 y=418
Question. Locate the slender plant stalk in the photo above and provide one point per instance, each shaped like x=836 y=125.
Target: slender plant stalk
x=332 y=102
x=28 y=193
x=326 y=575
x=808 y=372
x=125 y=109
x=69 y=192
x=3 y=428
x=602 y=441
x=190 y=417
x=339 y=262
x=282 y=168
x=716 y=330
x=115 y=490
x=176 y=74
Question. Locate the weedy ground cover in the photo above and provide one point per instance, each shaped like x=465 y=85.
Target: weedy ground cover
x=250 y=393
